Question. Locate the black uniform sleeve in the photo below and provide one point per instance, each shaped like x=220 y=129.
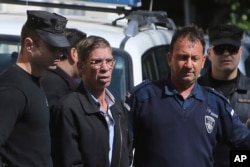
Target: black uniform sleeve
x=12 y=104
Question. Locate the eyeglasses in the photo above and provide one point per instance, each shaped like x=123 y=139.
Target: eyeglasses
x=97 y=63
x=220 y=49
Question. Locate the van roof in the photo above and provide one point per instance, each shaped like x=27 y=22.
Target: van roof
x=135 y=45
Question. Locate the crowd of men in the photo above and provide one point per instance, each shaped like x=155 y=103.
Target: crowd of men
x=56 y=109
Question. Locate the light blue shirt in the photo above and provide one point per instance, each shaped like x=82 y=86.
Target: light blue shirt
x=109 y=119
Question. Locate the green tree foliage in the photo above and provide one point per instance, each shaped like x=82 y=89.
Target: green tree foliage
x=240 y=13
x=206 y=13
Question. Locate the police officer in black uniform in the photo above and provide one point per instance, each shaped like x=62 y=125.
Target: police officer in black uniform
x=62 y=80
x=224 y=54
x=24 y=112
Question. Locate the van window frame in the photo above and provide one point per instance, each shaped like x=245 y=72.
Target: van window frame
x=154 y=63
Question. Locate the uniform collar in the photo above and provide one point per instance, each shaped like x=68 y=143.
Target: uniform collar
x=196 y=92
x=241 y=85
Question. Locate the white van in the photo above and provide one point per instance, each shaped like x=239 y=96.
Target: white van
x=139 y=43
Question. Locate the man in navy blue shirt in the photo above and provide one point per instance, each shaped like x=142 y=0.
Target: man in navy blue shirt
x=176 y=122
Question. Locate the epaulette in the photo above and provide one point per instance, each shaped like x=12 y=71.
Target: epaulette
x=217 y=93
x=138 y=87
x=222 y=97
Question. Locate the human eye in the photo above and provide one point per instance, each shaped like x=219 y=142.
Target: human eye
x=182 y=57
x=109 y=60
x=96 y=61
x=195 y=58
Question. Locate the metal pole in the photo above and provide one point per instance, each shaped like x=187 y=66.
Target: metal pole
x=151 y=5
x=187 y=16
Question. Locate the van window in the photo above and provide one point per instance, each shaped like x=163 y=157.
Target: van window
x=9 y=43
x=122 y=79
x=9 y=49
x=154 y=63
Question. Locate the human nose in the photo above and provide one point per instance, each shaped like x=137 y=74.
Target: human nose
x=189 y=63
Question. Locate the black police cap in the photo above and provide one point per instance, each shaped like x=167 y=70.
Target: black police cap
x=49 y=26
x=225 y=34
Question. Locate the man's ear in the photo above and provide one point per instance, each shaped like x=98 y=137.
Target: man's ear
x=28 y=42
x=168 y=58
x=240 y=51
x=73 y=56
x=204 y=60
x=209 y=50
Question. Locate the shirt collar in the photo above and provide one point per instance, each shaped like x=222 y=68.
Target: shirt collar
x=108 y=97
x=196 y=92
